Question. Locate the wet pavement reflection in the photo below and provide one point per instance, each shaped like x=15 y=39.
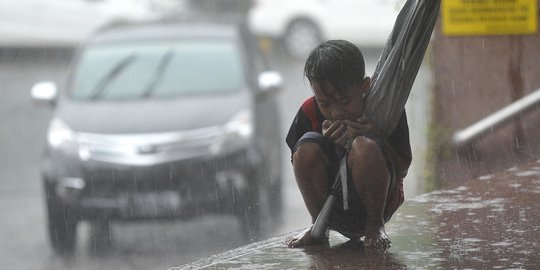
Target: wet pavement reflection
x=350 y=255
x=491 y=222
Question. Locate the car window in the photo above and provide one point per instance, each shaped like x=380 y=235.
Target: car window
x=157 y=70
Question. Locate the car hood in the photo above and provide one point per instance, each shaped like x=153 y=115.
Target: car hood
x=151 y=116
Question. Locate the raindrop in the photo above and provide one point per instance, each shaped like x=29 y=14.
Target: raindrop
x=515 y=185
x=485 y=177
x=526 y=173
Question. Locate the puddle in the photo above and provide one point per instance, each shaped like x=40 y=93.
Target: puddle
x=527 y=173
x=485 y=177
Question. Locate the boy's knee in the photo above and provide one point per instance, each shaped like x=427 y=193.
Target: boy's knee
x=365 y=151
x=364 y=147
x=368 y=163
x=308 y=155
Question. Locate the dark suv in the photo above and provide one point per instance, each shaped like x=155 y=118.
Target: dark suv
x=163 y=120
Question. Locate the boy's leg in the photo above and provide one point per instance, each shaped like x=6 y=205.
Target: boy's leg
x=311 y=173
x=310 y=163
x=371 y=178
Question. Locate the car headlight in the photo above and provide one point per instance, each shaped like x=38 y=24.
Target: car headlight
x=236 y=134
x=60 y=136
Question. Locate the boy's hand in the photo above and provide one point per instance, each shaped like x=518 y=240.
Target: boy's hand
x=336 y=131
x=361 y=126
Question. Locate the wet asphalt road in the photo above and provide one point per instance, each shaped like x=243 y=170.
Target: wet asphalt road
x=144 y=245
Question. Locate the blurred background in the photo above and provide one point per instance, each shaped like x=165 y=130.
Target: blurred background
x=84 y=56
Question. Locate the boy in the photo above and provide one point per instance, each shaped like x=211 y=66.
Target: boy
x=373 y=136
x=324 y=126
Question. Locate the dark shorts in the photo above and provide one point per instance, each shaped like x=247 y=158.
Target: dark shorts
x=351 y=222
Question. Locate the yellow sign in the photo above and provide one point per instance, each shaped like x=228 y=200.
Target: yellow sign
x=489 y=17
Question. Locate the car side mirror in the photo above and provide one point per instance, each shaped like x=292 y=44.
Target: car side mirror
x=45 y=92
x=270 y=81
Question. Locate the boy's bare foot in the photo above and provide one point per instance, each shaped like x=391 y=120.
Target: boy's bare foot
x=304 y=239
x=376 y=237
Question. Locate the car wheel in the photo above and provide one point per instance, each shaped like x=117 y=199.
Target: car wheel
x=301 y=38
x=62 y=225
x=252 y=210
x=100 y=236
x=276 y=205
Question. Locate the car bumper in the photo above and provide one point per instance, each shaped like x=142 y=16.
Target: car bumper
x=176 y=189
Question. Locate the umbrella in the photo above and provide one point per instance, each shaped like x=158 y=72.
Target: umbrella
x=399 y=62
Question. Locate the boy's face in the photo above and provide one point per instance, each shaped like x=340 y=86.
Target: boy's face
x=347 y=104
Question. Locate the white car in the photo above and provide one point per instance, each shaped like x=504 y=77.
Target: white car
x=32 y=23
x=303 y=24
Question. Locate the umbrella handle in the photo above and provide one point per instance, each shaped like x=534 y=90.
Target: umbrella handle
x=318 y=231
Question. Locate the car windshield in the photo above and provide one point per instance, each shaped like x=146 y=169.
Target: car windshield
x=157 y=70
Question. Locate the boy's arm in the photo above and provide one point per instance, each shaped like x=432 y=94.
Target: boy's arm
x=299 y=126
x=399 y=63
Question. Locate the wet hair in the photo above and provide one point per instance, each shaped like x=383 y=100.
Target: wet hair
x=337 y=61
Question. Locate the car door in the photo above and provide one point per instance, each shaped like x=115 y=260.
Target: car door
x=365 y=22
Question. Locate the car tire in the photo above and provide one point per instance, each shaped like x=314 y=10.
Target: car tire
x=301 y=37
x=252 y=210
x=62 y=225
x=276 y=205
x=100 y=241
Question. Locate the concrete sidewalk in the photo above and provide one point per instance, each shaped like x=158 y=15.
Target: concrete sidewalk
x=492 y=222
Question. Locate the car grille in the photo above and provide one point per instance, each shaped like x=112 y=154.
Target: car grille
x=190 y=176
x=147 y=149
